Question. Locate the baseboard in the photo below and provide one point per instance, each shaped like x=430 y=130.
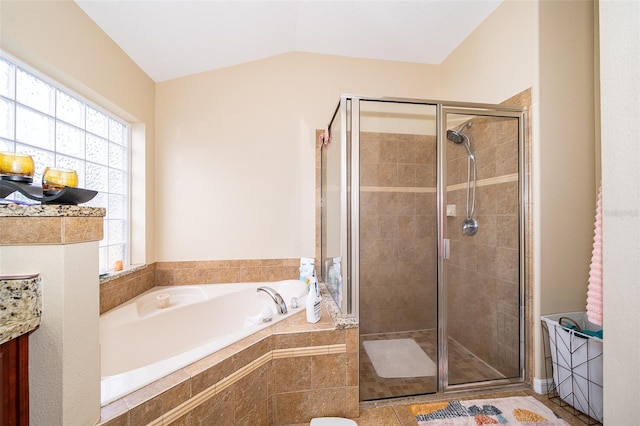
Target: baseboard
x=542 y=386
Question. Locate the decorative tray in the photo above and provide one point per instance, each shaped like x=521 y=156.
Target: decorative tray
x=67 y=195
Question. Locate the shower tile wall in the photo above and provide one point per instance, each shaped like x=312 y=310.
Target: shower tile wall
x=397 y=232
x=483 y=273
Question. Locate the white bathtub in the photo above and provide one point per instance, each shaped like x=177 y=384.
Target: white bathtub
x=141 y=342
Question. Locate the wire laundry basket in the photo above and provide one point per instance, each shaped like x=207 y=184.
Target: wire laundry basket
x=575 y=356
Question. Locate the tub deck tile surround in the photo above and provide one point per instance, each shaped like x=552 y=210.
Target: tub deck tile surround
x=121 y=287
x=287 y=373
x=118 y=288
x=225 y=271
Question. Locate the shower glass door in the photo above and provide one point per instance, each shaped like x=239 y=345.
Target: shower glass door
x=422 y=241
x=483 y=272
x=397 y=249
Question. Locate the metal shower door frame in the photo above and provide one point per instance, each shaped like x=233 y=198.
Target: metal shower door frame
x=443 y=253
x=348 y=111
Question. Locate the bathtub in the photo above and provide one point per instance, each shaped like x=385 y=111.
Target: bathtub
x=142 y=341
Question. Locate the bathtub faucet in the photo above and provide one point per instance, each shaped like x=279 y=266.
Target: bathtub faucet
x=279 y=301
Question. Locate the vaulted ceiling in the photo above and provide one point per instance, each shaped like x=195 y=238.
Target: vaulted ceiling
x=175 y=38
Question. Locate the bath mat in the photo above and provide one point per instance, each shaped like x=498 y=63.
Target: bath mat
x=517 y=410
x=397 y=358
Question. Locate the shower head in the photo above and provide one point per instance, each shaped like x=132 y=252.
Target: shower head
x=456 y=136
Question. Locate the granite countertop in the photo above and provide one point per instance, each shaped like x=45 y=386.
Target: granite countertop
x=50 y=210
x=20 y=305
x=340 y=321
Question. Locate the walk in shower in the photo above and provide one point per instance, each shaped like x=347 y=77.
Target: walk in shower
x=422 y=239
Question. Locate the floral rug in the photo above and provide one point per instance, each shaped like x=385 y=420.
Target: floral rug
x=519 y=410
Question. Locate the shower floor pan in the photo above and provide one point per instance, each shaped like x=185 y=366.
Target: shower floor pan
x=463 y=365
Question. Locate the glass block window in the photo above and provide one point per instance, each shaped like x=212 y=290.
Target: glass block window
x=60 y=129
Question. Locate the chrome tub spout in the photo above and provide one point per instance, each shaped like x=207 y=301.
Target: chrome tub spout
x=277 y=299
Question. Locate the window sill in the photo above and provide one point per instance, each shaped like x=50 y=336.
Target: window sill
x=112 y=275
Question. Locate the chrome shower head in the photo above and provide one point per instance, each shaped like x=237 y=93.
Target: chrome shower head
x=456 y=136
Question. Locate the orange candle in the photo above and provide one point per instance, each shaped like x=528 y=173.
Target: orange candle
x=54 y=179
x=14 y=164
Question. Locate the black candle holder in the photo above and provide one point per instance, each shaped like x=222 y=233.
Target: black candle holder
x=67 y=195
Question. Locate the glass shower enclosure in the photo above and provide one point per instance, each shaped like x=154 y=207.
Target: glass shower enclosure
x=422 y=239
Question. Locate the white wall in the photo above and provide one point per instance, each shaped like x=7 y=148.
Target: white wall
x=565 y=160
x=620 y=112
x=235 y=151
x=546 y=45
x=58 y=39
x=498 y=60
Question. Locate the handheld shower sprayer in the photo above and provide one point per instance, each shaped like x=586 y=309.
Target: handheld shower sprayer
x=470 y=224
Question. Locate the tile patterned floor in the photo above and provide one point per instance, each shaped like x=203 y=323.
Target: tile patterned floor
x=464 y=367
x=385 y=401
x=395 y=412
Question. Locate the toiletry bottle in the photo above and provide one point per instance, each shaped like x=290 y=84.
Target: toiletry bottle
x=307 y=268
x=313 y=301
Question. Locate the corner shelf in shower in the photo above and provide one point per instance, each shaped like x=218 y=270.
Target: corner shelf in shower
x=67 y=195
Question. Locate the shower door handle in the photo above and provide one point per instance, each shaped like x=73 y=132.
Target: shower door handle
x=446 y=248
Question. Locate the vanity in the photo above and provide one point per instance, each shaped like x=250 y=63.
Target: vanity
x=20 y=312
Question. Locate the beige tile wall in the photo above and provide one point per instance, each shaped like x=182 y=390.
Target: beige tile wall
x=397 y=232
x=25 y=230
x=483 y=273
x=391 y=226
x=226 y=271
x=482 y=281
x=125 y=286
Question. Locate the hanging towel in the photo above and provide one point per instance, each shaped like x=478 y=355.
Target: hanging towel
x=594 y=291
